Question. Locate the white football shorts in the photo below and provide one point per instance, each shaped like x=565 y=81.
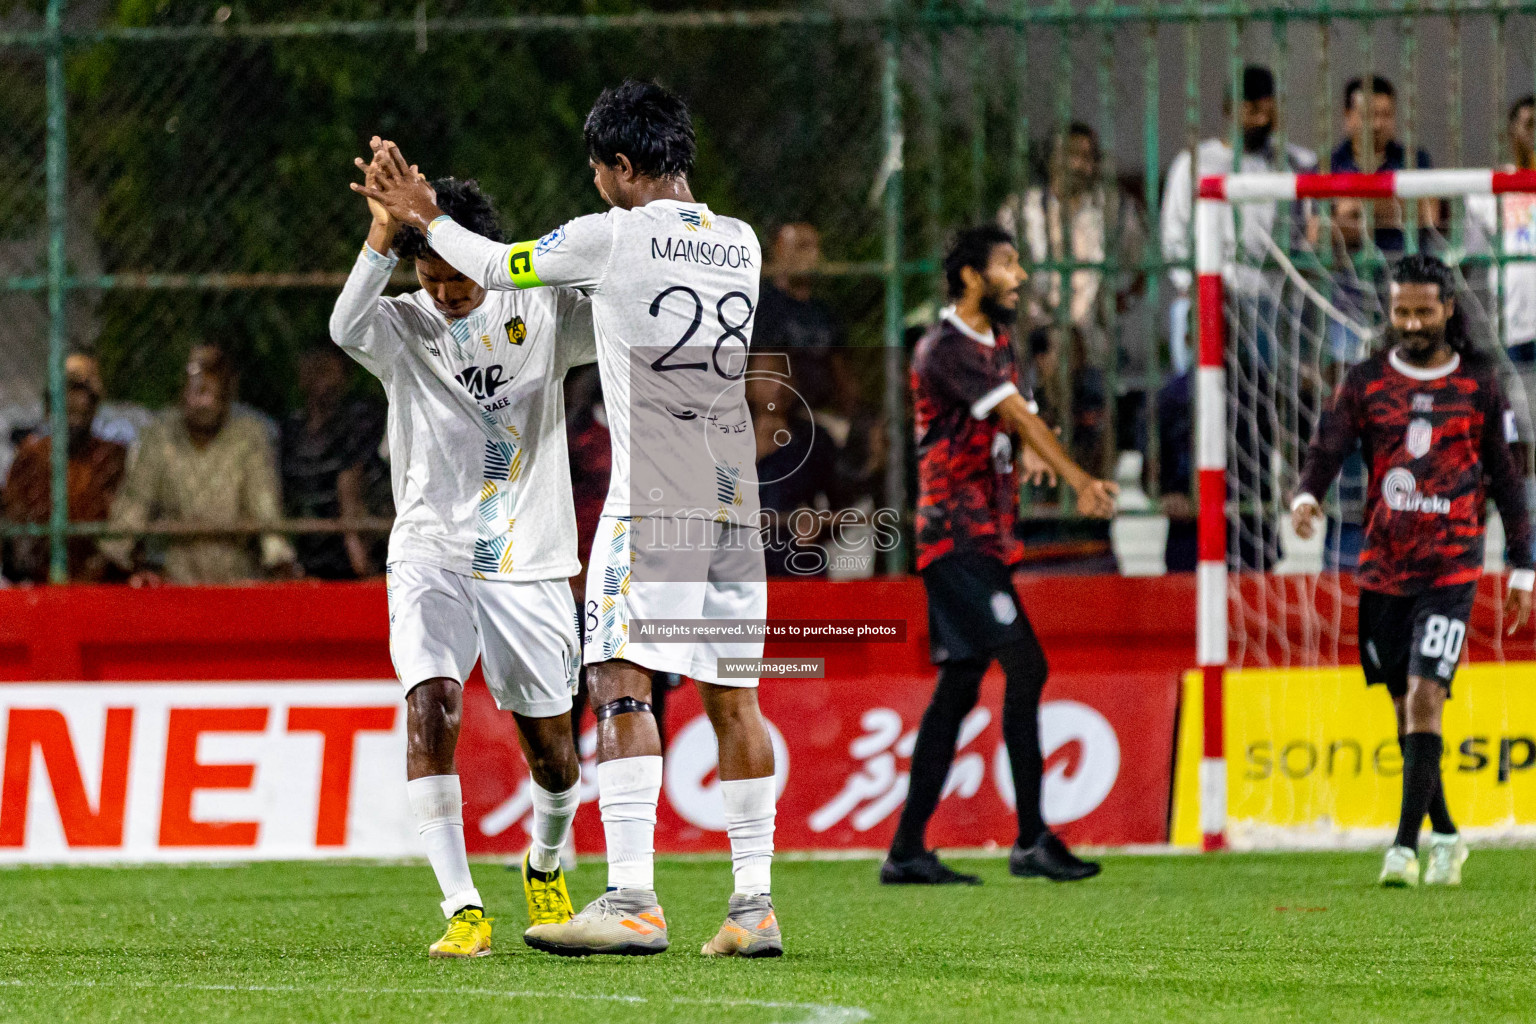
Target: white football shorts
x=524 y=635
x=673 y=569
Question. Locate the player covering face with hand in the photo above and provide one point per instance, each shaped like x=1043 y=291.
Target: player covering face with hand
x=1435 y=433
x=673 y=287
x=971 y=419
x=485 y=537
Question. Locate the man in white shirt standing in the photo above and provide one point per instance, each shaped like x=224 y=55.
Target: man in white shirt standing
x=1258 y=117
x=673 y=288
x=484 y=539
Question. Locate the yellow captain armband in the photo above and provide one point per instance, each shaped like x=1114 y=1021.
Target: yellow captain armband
x=520 y=265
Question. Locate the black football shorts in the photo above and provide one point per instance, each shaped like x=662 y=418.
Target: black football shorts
x=1421 y=634
x=972 y=608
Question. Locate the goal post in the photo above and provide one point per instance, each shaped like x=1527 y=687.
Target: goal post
x=1219 y=506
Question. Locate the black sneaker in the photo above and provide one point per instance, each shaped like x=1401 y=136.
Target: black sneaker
x=926 y=869
x=1049 y=858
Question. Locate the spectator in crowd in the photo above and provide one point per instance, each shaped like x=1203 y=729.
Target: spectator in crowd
x=1517 y=235
x=796 y=470
x=1078 y=217
x=197 y=464
x=791 y=319
x=1377 y=117
x=1258 y=117
x=94 y=474
x=329 y=450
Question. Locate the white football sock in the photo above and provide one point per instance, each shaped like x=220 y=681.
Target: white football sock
x=627 y=791
x=552 y=814
x=749 y=814
x=438 y=803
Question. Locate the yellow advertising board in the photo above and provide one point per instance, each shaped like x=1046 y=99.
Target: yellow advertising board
x=1313 y=753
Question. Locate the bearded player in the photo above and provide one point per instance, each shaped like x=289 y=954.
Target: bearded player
x=1435 y=433
x=969 y=414
x=673 y=287
x=484 y=540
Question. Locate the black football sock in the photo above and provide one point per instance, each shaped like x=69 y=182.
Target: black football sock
x=1439 y=814
x=959 y=684
x=1421 y=775
x=1024 y=665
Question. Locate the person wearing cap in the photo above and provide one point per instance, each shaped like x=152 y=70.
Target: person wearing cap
x=96 y=469
x=1258 y=117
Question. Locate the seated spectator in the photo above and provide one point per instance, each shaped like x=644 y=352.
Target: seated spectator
x=328 y=450
x=795 y=467
x=95 y=472
x=1384 y=153
x=790 y=319
x=197 y=464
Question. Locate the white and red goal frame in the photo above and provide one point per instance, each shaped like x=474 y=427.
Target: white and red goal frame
x=1217 y=193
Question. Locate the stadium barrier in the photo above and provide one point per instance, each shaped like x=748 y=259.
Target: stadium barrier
x=263 y=722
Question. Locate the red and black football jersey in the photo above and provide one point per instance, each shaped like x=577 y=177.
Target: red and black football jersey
x=1436 y=447
x=967 y=495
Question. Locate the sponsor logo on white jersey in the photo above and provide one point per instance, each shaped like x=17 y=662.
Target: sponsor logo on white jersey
x=1401 y=493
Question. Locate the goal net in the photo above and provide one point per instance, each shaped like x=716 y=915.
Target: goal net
x=1294 y=278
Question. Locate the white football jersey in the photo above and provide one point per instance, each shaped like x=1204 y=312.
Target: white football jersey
x=476 y=434
x=674 y=288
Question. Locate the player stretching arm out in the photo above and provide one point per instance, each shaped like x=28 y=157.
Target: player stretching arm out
x=673 y=288
x=1433 y=425
x=485 y=537
x=967 y=404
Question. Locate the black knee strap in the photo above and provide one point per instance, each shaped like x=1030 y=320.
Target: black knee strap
x=622 y=706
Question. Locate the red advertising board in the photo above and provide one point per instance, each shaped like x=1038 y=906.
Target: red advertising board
x=224 y=746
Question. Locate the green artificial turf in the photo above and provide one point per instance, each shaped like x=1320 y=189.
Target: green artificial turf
x=1251 y=938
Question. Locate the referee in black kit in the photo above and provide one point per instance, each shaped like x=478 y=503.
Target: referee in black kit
x=971 y=423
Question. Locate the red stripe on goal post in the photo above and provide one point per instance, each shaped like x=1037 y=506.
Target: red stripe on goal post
x=1382 y=185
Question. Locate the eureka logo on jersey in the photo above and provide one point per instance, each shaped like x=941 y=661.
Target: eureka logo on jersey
x=1400 y=492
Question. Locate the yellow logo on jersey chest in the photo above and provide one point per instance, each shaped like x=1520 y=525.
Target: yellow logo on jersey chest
x=517 y=331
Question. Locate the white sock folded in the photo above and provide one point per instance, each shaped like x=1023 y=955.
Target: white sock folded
x=627 y=791
x=438 y=804
x=749 y=814
x=552 y=814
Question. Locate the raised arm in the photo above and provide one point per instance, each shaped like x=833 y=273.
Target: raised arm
x=360 y=322
x=575 y=255
x=1335 y=438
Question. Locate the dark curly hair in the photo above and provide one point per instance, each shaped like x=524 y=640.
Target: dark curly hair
x=645 y=122
x=972 y=248
x=466 y=204
x=1422 y=268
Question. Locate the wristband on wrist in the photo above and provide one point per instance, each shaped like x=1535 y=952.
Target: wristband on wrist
x=1522 y=579
x=1303 y=499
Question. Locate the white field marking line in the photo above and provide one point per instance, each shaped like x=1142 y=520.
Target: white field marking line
x=816 y=1013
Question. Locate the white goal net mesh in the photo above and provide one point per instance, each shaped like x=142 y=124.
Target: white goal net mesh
x=1312 y=756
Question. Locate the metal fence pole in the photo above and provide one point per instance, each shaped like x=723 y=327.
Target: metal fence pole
x=55 y=159
x=895 y=376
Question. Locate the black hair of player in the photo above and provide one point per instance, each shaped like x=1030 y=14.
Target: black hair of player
x=647 y=123
x=1380 y=86
x=466 y=204
x=1528 y=100
x=972 y=248
x=1422 y=268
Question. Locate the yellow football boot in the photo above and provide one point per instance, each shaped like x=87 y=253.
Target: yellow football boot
x=548 y=902
x=468 y=934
